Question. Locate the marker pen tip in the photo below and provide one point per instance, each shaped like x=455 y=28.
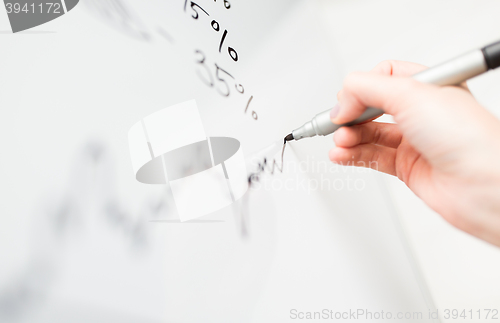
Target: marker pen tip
x=289 y=138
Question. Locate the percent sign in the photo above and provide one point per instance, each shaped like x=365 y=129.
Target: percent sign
x=230 y=50
x=238 y=87
x=227 y=5
x=254 y=114
x=215 y=26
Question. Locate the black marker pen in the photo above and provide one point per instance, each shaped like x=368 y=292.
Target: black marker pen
x=452 y=72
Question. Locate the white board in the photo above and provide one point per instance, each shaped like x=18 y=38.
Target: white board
x=95 y=244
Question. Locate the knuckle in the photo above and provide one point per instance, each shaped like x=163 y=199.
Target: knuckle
x=385 y=67
x=360 y=134
x=375 y=156
x=377 y=135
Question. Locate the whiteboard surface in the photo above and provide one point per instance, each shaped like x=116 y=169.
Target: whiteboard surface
x=93 y=244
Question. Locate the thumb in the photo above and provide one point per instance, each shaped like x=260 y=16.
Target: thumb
x=390 y=93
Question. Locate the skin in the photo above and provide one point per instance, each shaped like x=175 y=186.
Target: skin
x=444 y=146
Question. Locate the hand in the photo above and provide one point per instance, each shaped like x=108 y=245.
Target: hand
x=445 y=146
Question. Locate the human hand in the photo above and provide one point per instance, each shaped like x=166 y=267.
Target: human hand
x=445 y=146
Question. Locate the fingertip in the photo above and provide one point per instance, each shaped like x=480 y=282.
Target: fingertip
x=339 y=95
x=341 y=116
x=345 y=117
x=335 y=111
x=332 y=154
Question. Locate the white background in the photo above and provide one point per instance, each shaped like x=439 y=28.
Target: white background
x=119 y=81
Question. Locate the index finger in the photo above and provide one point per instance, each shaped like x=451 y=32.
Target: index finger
x=401 y=68
x=393 y=68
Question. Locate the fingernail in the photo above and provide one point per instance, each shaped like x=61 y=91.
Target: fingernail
x=335 y=111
